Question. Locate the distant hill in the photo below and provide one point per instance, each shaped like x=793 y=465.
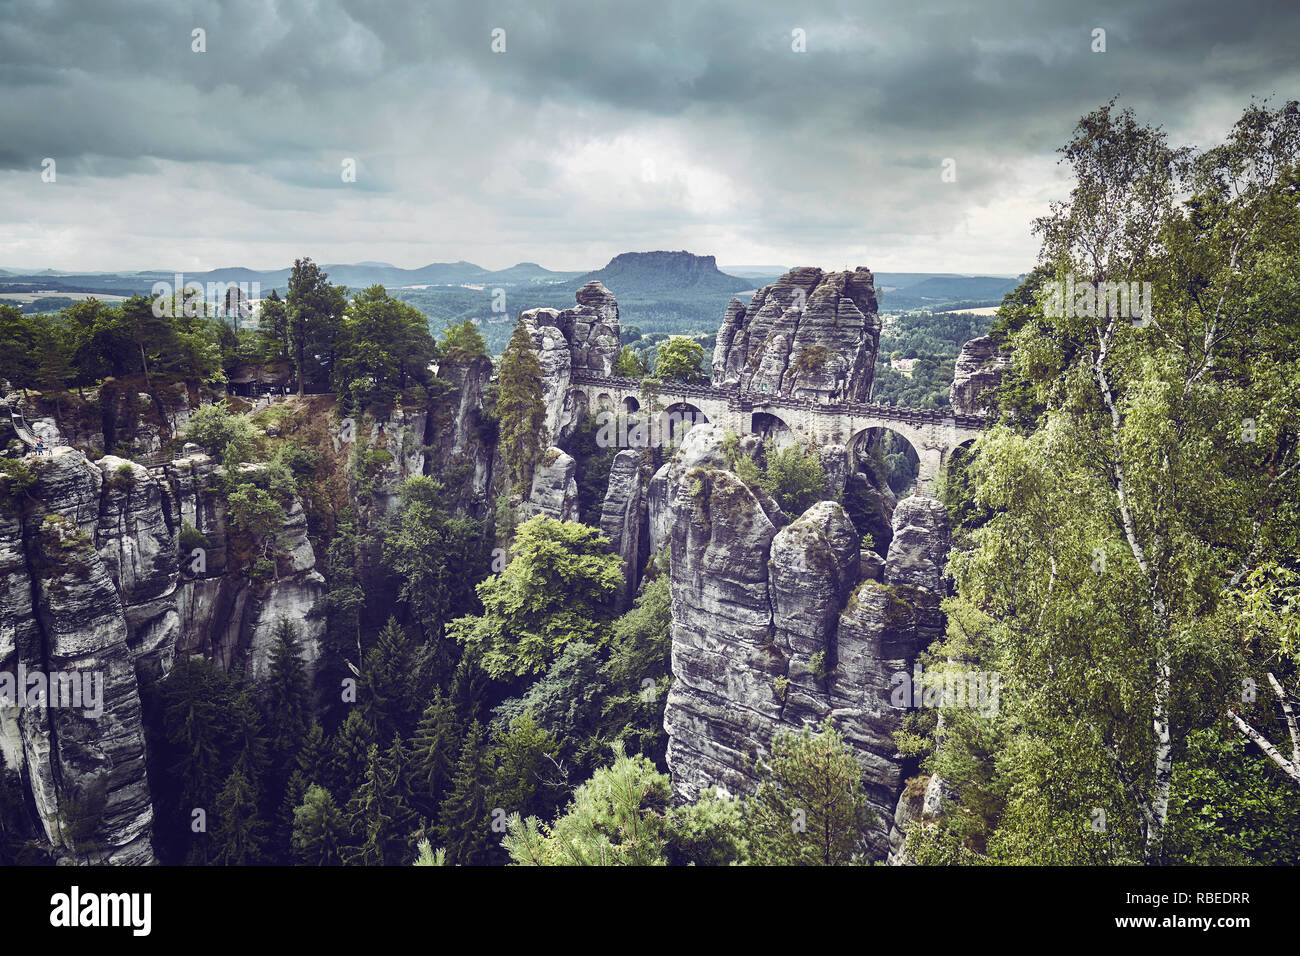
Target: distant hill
x=756 y=272
x=527 y=272
x=904 y=291
x=658 y=292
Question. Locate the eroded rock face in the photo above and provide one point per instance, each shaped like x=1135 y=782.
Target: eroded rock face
x=93 y=582
x=625 y=519
x=64 y=613
x=557 y=365
x=117 y=417
x=778 y=626
x=808 y=335
x=582 y=339
x=593 y=329
x=554 y=491
x=980 y=367
x=228 y=618
x=461 y=442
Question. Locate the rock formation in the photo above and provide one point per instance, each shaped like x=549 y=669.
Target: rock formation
x=808 y=335
x=228 y=618
x=63 y=613
x=459 y=438
x=776 y=626
x=114 y=417
x=581 y=339
x=554 y=492
x=625 y=519
x=93 y=582
x=979 y=367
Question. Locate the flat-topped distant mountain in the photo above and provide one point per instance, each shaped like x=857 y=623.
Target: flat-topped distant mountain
x=636 y=274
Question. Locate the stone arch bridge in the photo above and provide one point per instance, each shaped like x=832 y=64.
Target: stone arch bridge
x=934 y=435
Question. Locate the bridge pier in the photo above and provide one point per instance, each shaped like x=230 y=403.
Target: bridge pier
x=930 y=462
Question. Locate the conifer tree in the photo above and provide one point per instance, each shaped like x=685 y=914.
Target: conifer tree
x=239 y=837
x=465 y=823
x=435 y=748
x=249 y=746
x=343 y=603
x=469 y=687
x=352 y=742
x=273 y=326
x=288 y=704
x=387 y=686
x=281 y=843
x=313 y=760
x=319 y=830
x=380 y=821
x=520 y=407
x=198 y=716
x=810 y=809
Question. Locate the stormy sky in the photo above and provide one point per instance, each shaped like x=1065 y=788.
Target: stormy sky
x=603 y=127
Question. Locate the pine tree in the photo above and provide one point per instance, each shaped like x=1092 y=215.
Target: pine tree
x=288 y=704
x=319 y=830
x=434 y=750
x=239 y=837
x=387 y=686
x=351 y=745
x=520 y=407
x=380 y=821
x=465 y=824
x=810 y=809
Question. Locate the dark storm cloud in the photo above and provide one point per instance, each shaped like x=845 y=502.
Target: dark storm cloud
x=753 y=146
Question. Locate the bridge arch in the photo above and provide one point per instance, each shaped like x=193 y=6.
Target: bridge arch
x=766 y=424
x=677 y=419
x=894 y=447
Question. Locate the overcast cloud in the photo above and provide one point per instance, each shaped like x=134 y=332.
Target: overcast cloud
x=604 y=127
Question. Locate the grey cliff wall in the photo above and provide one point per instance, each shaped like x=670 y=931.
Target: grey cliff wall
x=756 y=599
